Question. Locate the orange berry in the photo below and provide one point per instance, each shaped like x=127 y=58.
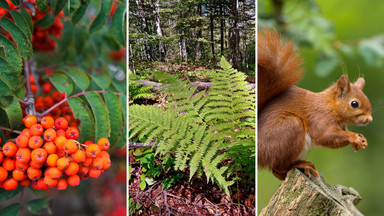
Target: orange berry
x=50 y=147
x=83 y=170
x=106 y=163
x=61 y=123
x=87 y=162
x=47 y=122
x=22 y=141
x=10 y=184
x=72 y=133
x=104 y=154
x=70 y=147
x=61 y=153
x=49 y=181
x=92 y=151
x=33 y=173
x=79 y=156
x=21 y=166
x=87 y=143
x=73 y=180
x=73 y=169
x=25 y=183
x=36 y=130
x=34 y=89
x=57 y=96
x=29 y=120
x=62 y=184
x=52 y=160
x=39 y=106
x=48 y=102
x=39 y=155
x=3 y=174
x=46 y=88
x=10 y=149
x=35 y=142
x=18 y=175
x=94 y=173
x=97 y=163
x=1 y=156
x=50 y=135
x=9 y=164
x=60 y=141
x=54 y=172
x=60 y=133
x=36 y=164
x=39 y=98
x=31 y=79
x=103 y=144
x=23 y=155
x=26 y=132
x=41 y=185
x=62 y=163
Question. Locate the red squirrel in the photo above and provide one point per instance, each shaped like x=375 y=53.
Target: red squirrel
x=292 y=120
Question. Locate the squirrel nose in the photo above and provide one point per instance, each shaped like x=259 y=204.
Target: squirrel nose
x=369 y=119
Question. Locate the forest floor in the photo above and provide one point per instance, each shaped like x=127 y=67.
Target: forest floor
x=194 y=197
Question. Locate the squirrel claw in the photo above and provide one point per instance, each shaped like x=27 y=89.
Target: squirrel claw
x=308 y=167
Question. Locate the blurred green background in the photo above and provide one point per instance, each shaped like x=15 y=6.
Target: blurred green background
x=325 y=32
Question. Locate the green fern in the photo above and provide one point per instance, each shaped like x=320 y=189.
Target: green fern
x=202 y=129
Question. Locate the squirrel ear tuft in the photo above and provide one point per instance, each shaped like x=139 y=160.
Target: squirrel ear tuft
x=360 y=83
x=343 y=86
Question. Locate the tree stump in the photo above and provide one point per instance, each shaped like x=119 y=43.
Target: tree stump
x=300 y=195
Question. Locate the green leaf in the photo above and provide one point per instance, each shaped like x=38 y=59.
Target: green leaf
x=79 y=13
x=15 y=2
x=7 y=195
x=24 y=46
x=372 y=51
x=27 y=18
x=42 y=5
x=99 y=109
x=11 y=53
x=101 y=18
x=79 y=77
x=80 y=38
x=45 y=22
x=11 y=210
x=4 y=4
x=67 y=36
x=58 y=5
x=118 y=23
x=6 y=94
x=14 y=113
x=22 y=24
x=82 y=112
x=325 y=64
x=61 y=83
x=73 y=5
x=8 y=75
x=115 y=115
x=123 y=138
x=102 y=80
x=37 y=205
x=143 y=185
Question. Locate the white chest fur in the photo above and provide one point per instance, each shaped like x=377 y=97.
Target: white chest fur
x=308 y=145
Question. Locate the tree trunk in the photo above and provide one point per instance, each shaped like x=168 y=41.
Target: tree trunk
x=159 y=31
x=211 y=26
x=199 y=33
x=234 y=35
x=140 y=4
x=222 y=23
x=300 y=195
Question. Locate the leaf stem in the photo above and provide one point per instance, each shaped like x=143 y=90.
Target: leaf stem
x=10 y=130
x=28 y=99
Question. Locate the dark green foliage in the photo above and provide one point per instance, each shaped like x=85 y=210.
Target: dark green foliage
x=202 y=129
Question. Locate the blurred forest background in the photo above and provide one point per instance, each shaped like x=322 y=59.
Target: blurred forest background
x=327 y=31
x=191 y=32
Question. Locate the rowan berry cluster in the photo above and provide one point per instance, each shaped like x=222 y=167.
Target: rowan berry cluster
x=46 y=155
x=41 y=39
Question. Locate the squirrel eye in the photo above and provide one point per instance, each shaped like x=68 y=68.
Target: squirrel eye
x=355 y=104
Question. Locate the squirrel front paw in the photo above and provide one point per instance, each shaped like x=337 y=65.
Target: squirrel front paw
x=360 y=142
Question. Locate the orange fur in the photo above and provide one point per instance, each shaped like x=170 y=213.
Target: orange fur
x=289 y=116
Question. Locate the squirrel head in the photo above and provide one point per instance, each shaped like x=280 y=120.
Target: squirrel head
x=352 y=105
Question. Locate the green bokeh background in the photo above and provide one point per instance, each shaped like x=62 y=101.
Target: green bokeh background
x=363 y=170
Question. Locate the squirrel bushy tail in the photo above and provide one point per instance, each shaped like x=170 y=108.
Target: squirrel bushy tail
x=278 y=66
